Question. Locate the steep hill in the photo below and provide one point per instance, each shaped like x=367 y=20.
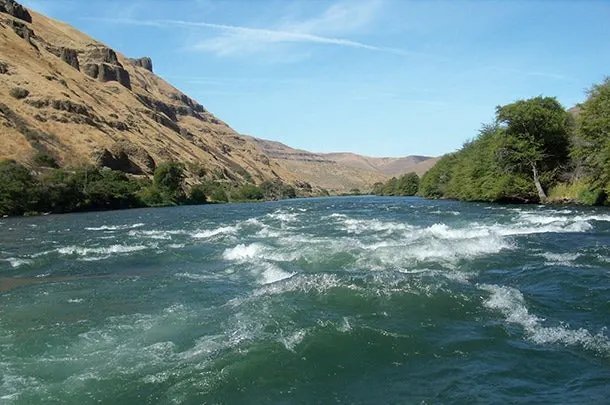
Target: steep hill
x=67 y=95
x=70 y=98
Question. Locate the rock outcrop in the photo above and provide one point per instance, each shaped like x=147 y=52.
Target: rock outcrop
x=15 y=9
x=23 y=31
x=101 y=63
x=70 y=56
x=126 y=157
x=144 y=62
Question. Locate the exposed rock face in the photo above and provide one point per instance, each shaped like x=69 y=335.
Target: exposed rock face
x=23 y=31
x=102 y=64
x=144 y=62
x=126 y=157
x=70 y=56
x=15 y=9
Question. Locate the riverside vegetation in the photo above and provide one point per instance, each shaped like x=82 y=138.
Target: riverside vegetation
x=534 y=151
x=50 y=189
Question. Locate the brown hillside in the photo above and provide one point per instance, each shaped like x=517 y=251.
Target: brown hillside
x=319 y=169
x=386 y=165
x=68 y=95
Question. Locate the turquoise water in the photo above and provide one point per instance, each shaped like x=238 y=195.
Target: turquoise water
x=362 y=300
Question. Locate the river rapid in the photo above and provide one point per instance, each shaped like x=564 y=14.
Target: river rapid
x=360 y=300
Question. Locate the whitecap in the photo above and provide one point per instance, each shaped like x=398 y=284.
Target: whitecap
x=114 y=227
x=243 y=252
x=511 y=303
x=291 y=341
x=17 y=262
x=84 y=251
x=204 y=234
x=565 y=259
x=272 y=273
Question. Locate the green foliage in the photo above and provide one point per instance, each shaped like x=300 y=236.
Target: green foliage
x=408 y=184
x=197 y=195
x=219 y=195
x=16 y=183
x=277 y=190
x=152 y=196
x=378 y=188
x=405 y=185
x=247 y=192
x=389 y=188
x=168 y=179
x=592 y=197
x=525 y=147
x=434 y=183
x=535 y=132
x=592 y=143
x=43 y=159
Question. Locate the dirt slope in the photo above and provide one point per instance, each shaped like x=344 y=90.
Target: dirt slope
x=68 y=95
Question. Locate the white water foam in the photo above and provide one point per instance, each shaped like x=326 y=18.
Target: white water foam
x=267 y=272
x=272 y=273
x=291 y=341
x=564 y=259
x=243 y=252
x=283 y=216
x=511 y=303
x=223 y=230
x=114 y=249
x=16 y=262
x=114 y=227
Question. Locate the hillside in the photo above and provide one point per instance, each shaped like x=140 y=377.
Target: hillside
x=71 y=99
x=70 y=96
x=386 y=165
x=342 y=171
x=320 y=169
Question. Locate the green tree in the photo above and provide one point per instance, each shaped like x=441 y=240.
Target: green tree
x=197 y=195
x=16 y=185
x=407 y=184
x=168 y=178
x=536 y=138
x=592 y=143
x=390 y=186
x=247 y=192
x=378 y=188
x=434 y=183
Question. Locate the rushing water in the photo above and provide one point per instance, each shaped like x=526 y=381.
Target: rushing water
x=335 y=300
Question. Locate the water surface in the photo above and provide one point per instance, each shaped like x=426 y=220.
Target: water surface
x=361 y=300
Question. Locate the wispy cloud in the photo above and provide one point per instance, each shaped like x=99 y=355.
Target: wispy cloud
x=330 y=28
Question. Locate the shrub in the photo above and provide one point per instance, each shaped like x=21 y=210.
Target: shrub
x=592 y=197
x=248 y=192
x=168 y=179
x=197 y=195
x=19 y=92
x=43 y=159
x=16 y=184
x=219 y=195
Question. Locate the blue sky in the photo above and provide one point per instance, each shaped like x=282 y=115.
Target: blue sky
x=375 y=77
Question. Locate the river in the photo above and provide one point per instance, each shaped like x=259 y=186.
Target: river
x=361 y=300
